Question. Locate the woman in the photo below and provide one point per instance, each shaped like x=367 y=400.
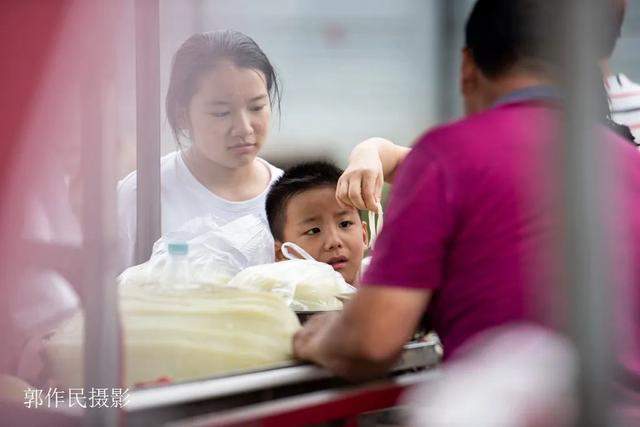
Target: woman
x=221 y=93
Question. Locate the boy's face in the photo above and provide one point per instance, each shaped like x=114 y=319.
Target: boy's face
x=329 y=233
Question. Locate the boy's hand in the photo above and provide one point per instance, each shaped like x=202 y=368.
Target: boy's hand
x=360 y=185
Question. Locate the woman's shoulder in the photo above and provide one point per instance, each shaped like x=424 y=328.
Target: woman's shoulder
x=275 y=171
x=129 y=184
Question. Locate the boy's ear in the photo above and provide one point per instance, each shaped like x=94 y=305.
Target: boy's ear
x=365 y=235
x=278 y=249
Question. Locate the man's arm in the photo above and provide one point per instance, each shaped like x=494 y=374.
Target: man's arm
x=367 y=337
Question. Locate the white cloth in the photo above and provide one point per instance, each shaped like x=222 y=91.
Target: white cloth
x=513 y=375
x=183 y=198
x=624 y=97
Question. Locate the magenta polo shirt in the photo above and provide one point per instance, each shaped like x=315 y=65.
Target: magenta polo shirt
x=471 y=219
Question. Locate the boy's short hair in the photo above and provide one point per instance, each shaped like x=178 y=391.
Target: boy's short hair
x=295 y=180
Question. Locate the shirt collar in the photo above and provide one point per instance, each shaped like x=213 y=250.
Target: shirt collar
x=531 y=93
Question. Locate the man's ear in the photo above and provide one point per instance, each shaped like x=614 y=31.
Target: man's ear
x=468 y=73
x=278 y=250
x=365 y=235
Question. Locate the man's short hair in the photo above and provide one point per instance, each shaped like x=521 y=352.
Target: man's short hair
x=297 y=179
x=505 y=34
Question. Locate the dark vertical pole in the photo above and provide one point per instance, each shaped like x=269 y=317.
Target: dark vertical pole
x=586 y=188
x=447 y=60
x=148 y=229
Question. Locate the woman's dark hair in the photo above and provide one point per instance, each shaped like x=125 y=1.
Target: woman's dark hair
x=198 y=55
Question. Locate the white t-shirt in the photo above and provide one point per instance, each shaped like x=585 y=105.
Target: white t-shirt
x=624 y=96
x=183 y=198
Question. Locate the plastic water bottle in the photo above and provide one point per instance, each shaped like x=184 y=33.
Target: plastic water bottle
x=176 y=271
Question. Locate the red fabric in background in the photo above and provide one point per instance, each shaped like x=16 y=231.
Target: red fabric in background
x=28 y=31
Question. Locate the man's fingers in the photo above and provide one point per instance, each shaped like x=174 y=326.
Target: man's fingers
x=300 y=338
x=303 y=337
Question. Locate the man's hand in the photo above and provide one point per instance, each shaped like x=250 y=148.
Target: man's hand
x=306 y=340
x=366 y=338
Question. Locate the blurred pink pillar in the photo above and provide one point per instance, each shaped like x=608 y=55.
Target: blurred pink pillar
x=58 y=104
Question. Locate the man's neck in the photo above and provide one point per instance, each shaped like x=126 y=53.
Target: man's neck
x=503 y=86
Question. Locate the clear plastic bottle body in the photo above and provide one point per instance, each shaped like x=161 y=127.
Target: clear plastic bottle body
x=176 y=272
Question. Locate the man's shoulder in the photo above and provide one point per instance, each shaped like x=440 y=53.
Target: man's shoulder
x=468 y=131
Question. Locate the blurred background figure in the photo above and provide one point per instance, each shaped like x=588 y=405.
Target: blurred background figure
x=624 y=94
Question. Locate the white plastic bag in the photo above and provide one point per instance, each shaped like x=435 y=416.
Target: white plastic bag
x=305 y=284
x=243 y=242
x=215 y=253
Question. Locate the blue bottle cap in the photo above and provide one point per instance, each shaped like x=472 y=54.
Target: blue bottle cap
x=178 y=248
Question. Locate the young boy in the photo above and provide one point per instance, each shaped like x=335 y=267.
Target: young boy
x=302 y=209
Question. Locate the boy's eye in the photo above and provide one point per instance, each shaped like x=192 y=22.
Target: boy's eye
x=311 y=232
x=346 y=224
x=220 y=114
x=257 y=107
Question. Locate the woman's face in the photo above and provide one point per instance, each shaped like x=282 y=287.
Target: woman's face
x=228 y=116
